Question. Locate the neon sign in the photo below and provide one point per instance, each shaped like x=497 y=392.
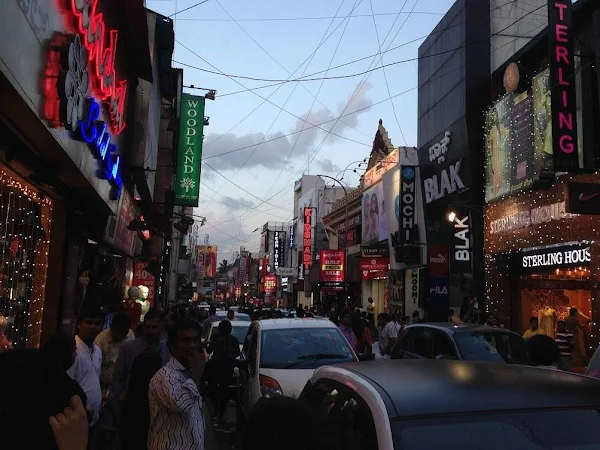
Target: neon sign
x=307 y=238
x=95 y=133
x=102 y=50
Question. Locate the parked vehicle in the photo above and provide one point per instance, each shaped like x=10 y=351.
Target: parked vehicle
x=280 y=355
x=242 y=317
x=454 y=405
x=469 y=342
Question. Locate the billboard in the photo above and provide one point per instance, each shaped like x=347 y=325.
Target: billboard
x=374 y=223
x=270 y=282
x=332 y=266
x=189 y=153
x=207 y=255
x=375 y=174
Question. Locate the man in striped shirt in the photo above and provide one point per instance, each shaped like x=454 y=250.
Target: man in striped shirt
x=564 y=339
x=176 y=416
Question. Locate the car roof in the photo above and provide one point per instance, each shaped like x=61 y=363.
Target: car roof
x=436 y=387
x=234 y=324
x=284 y=323
x=451 y=328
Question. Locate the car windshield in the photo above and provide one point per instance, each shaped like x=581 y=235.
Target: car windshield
x=303 y=348
x=238 y=332
x=491 y=346
x=544 y=430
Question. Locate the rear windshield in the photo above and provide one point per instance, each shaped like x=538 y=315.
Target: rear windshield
x=238 y=332
x=492 y=347
x=545 y=430
x=303 y=348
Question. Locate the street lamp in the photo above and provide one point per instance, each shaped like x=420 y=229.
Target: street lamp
x=345 y=230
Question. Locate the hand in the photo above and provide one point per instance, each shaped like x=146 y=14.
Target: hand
x=70 y=428
x=198 y=362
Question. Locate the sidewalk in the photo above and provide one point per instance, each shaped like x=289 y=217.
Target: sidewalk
x=210 y=441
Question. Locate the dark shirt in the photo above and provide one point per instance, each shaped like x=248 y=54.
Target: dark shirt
x=225 y=350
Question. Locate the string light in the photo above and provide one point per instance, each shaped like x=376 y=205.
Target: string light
x=26 y=222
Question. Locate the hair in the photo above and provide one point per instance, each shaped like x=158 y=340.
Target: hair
x=279 y=412
x=153 y=314
x=225 y=328
x=573 y=311
x=60 y=346
x=181 y=324
x=533 y=318
x=90 y=312
x=120 y=320
x=38 y=388
x=543 y=350
x=416 y=314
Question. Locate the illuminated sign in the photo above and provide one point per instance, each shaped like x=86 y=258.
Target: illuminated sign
x=291 y=236
x=562 y=80
x=101 y=46
x=270 y=284
x=570 y=255
x=307 y=238
x=276 y=250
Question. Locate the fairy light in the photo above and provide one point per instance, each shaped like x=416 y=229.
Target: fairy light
x=33 y=242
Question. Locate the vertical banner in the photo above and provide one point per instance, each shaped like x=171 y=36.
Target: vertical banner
x=332 y=266
x=307 y=238
x=411 y=291
x=276 y=250
x=405 y=241
x=562 y=82
x=461 y=257
x=189 y=154
x=281 y=241
x=270 y=283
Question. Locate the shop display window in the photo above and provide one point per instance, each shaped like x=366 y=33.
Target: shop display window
x=25 y=216
x=551 y=296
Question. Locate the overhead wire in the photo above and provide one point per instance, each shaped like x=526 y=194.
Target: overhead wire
x=187 y=9
x=294 y=19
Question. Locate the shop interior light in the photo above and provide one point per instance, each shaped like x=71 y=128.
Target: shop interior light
x=451 y=216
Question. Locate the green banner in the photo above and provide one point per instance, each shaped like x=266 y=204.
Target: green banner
x=189 y=155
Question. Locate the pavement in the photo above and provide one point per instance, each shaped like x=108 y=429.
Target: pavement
x=223 y=437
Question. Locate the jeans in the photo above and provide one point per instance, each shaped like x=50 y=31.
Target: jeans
x=565 y=362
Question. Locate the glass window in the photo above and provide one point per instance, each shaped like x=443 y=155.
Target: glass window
x=238 y=332
x=419 y=340
x=483 y=346
x=303 y=348
x=556 y=430
x=443 y=348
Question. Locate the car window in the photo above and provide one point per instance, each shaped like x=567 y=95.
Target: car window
x=346 y=420
x=303 y=348
x=419 y=341
x=238 y=332
x=556 y=430
x=484 y=346
x=443 y=348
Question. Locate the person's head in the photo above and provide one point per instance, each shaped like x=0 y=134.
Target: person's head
x=90 y=321
x=381 y=319
x=212 y=310
x=561 y=326
x=203 y=314
x=62 y=348
x=133 y=293
x=370 y=300
x=491 y=320
x=37 y=388
x=543 y=350
x=225 y=328
x=534 y=323
x=573 y=312
x=230 y=314
x=152 y=326
x=279 y=412
x=416 y=314
x=119 y=327
x=184 y=340
x=450 y=313
x=301 y=313
x=346 y=318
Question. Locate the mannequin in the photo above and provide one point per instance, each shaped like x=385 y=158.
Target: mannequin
x=576 y=328
x=548 y=318
x=132 y=308
x=142 y=299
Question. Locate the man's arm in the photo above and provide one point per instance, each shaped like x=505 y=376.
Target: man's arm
x=173 y=394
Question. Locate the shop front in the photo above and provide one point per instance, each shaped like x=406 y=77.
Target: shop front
x=542 y=261
x=375 y=271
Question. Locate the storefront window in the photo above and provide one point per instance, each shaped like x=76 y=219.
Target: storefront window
x=25 y=216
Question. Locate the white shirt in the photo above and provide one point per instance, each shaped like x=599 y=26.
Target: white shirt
x=110 y=352
x=86 y=371
x=176 y=417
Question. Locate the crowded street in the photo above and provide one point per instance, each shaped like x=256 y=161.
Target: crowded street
x=276 y=225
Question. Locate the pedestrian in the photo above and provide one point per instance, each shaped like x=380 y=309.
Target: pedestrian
x=416 y=317
x=230 y=315
x=347 y=331
x=534 y=329
x=389 y=334
x=566 y=342
x=212 y=317
x=176 y=413
x=110 y=342
x=381 y=322
x=364 y=344
x=224 y=351
x=149 y=342
x=371 y=307
x=135 y=417
x=88 y=361
x=543 y=351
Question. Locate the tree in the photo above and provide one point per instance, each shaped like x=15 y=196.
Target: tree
x=224 y=267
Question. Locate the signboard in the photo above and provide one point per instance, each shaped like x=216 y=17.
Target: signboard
x=291 y=238
x=460 y=258
x=189 y=155
x=438 y=260
x=143 y=278
x=562 y=80
x=530 y=217
x=332 y=266
x=375 y=251
x=373 y=175
x=289 y=272
x=374 y=264
x=411 y=288
x=307 y=239
x=270 y=282
x=123 y=235
x=276 y=250
x=554 y=257
x=207 y=256
x=583 y=198
x=406 y=231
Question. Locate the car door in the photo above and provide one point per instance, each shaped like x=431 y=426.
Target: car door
x=244 y=376
x=443 y=346
x=345 y=418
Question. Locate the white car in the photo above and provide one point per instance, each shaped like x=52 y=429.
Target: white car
x=239 y=330
x=280 y=355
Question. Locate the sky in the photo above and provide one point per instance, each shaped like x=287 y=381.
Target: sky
x=260 y=141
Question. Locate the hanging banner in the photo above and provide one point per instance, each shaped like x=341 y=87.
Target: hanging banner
x=411 y=289
x=562 y=81
x=307 y=238
x=270 y=282
x=189 y=155
x=332 y=266
x=276 y=250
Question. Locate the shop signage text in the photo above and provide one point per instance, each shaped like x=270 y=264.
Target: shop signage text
x=558 y=258
x=291 y=236
x=332 y=265
x=437 y=152
x=373 y=175
x=276 y=249
x=353 y=222
x=446 y=182
x=562 y=80
x=411 y=287
x=530 y=217
x=307 y=238
x=462 y=239
x=407 y=204
x=374 y=264
x=375 y=251
x=270 y=282
x=286 y=272
x=101 y=44
x=191 y=128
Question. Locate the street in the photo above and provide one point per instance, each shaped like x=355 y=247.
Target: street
x=223 y=437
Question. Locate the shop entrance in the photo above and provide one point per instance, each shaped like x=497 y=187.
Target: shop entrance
x=553 y=294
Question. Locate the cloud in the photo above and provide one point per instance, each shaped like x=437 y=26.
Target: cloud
x=235 y=204
x=272 y=154
x=327 y=166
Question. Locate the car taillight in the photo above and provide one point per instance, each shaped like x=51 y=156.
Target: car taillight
x=269 y=387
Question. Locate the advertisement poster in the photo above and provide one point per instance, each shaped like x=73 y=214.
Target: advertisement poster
x=208 y=254
x=542 y=122
x=397 y=290
x=143 y=278
x=498 y=148
x=391 y=191
x=332 y=266
x=374 y=224
x=270 y=284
